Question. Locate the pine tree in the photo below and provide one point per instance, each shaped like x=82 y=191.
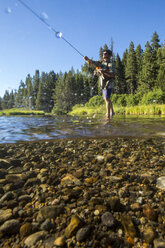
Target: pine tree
x=131 y=70
x=161 y=71
x=105 y=47
x=60 y=95
x=120 y=84
x=124 y=63
x=87 y=90
x=40 y=101
x=149 y=73
x=5 y=100
x=155 y=45
x=11 y=100
x=29 y=91
x=111 y=45
x=101 y=54
x=36 y=82
x=20 y=99
x=155 y=42
x=139 y=54
x=50 y=83
x=79 y=88
x=124 y=58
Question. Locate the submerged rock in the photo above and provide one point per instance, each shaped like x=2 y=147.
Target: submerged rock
x=161 y=182
x=10 y=227
x=82 y=193
x=73 y=226
x=108 y=219
x=128 y=226
x=50 y=212
x=60 y=241
x=33 y=238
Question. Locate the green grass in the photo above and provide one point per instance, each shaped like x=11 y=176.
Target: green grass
x=15 y=111
x=153 y=109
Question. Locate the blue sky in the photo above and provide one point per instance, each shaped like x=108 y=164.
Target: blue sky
x=26 y=44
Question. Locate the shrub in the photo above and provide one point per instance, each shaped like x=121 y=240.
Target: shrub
x=96 y=101
x=133 y=100
x=114 y=98
x=155 y=96
x=121 y=101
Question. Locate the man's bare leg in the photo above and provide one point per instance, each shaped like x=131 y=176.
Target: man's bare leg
x=107 y=101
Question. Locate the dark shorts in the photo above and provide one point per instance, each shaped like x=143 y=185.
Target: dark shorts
x=107 y=93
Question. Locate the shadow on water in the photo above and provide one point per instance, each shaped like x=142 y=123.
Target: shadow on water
x=30 y=128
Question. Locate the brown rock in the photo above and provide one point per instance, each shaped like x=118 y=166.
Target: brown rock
x=128 y=225
x=60 y=241
x=149 y=234
x=149 y=212
x=70 y=180
x=26 y=230
x=73 y=226
x=115 y=204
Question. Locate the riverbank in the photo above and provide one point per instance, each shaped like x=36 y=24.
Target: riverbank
x=153 y=109
x=14 y=111
x=78 y=110
x=82 y=193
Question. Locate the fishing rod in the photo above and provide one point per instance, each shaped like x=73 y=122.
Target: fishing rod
x=57 y=33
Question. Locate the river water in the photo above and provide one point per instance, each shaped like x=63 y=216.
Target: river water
x=30 y=128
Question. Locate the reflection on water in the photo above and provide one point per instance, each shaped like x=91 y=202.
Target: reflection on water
x=21 y=128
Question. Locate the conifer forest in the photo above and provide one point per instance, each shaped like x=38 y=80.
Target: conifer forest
x=137 y=72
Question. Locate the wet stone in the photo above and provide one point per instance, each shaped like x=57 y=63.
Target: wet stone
x=60 y=241
x=73 y=226
x=5 y=164
x=2 y=173
x=83 y=233
x=128 y=225
x=115 y=204
x=46 y=225
x=31 y=182
x=26 y=229
x=108 y=219
x=7 y=196
x=149 y=234
x=5 y=215
x=10 y=227
x=149 y=212
x=61 y=194
x=159 y=243
x=161 y=182
x=33 y=238
x=50 y=212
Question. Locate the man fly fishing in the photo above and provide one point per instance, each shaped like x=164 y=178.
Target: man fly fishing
x=106 y=71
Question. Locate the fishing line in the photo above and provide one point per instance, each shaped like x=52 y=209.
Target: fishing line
x=57 y=33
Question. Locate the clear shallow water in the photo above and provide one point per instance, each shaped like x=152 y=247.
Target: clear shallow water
x=30 y=128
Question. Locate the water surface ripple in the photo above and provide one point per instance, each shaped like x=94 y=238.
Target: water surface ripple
x=31 y=128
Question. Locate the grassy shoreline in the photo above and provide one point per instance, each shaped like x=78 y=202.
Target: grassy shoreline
x=153 y=109
x=15 y=111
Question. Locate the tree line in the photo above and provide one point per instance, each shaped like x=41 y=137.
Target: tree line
x=137 y=71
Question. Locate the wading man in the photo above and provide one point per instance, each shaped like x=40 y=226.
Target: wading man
x=106 y=71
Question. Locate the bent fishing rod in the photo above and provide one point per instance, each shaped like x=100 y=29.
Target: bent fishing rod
x=57 y=33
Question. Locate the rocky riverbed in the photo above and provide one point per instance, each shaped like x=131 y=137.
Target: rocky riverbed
x=96 y=192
